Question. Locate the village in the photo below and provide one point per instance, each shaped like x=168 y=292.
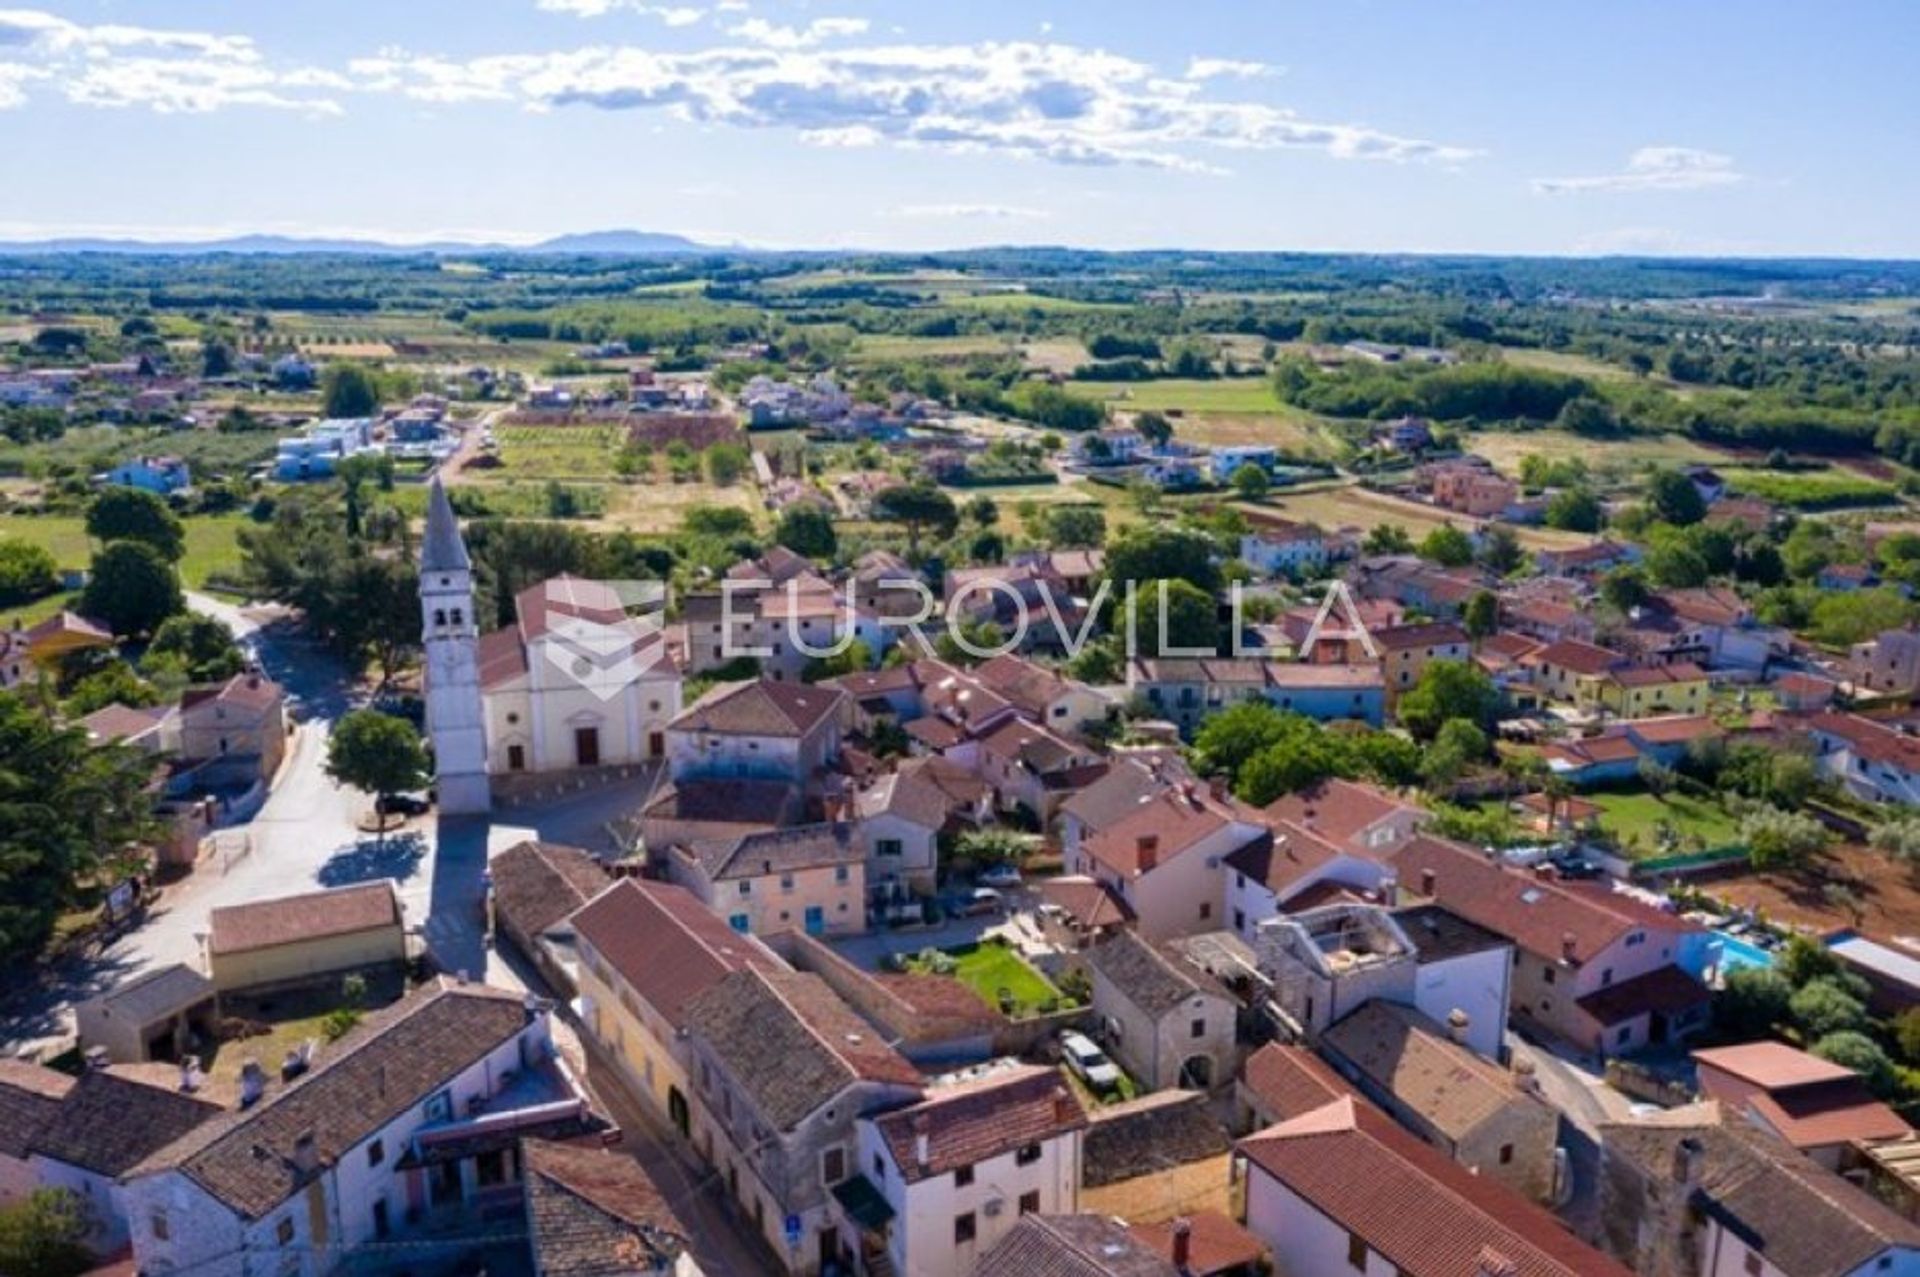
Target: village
x=575 y=806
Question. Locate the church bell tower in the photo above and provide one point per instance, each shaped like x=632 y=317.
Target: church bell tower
x=456 y=719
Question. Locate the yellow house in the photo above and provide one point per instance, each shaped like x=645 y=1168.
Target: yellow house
x=645 y=950
x=1638 y=692
x=1573 y=671
x=296 y=939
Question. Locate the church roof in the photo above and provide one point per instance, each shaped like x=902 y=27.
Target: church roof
x=443 y=550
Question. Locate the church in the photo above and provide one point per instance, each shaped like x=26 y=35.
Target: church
x=577 y=681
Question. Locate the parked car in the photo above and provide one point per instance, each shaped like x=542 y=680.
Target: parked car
x=402 y=805
x=999 y=876
x=1089 y=1061
x=983 y=900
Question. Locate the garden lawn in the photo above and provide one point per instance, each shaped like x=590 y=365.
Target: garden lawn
x=989 y=967
x=1634 y=819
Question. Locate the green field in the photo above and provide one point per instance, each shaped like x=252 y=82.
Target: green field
x=1506 y=448
x=558 y=452
x=1811 y=490
x=212 y=550
x=1239 y=395
x=1634 y=819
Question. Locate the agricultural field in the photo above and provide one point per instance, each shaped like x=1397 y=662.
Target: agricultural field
x=1335 y=507
x=212 y=551
x=1811 y=490
x=1617 y=457
x=889 y=346
x=1221 y=411
x=558 y=452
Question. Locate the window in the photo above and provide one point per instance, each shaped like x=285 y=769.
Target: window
x=879 y=1168
x=840 y=873
x=1623 y=1034
x=746 y=887
x=888 y=847
x=1506 y=1154
x=158 y=1226
x=283 y=1231
x=963 y=1229
x=1030 y=1202
x=1606 y=977
x=739 y=922
x=439 y=1108
x=1199 y=1029
x=833 y=1165
x=490 y=1168
x=1206 y=909
x=1357 y=1251
x=1546 y=973
x=963 y=1177
x=376 y=1153
x=1027 y=1155
x=786 y=882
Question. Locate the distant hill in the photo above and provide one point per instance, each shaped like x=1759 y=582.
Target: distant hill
x=587 y=243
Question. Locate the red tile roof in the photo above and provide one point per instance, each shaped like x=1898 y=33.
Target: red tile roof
x=1157 y=830
x=977 y=1120
x=1215 y=1244
x=762 y=707
x=1288 y=1081
x=665 y=944
x=1541 y=915
x=1426 y=1215
x=1338 y=810
x=313 y=915
x=1581 y=658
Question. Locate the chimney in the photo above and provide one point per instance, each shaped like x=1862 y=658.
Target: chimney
x=97 y=1059
x=922 y=1141
x=1147 y=848
x=1183 y=1244
x=1428 y=878
x=190 y=1075
x=1686 y=1161
x=1062 y=1104
x=306 y=1154
x=1494 y=1264
x=1566 y=946
x=1457 y=1023
x=253 y=1082
x=1525 y=1077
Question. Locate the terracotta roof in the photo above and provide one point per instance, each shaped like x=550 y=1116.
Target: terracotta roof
x=971 y=1122
x=1424 y=634
x=1803 y=1219
x=906 y=793
x=1581 y=658
x=1088 y=901
x=761 y=707
x=1288 y=1081
x=536 y=884
x=1030 y=687
x=1290 y=855
x=119 y=722
x=1339 y=810
x=1159 y=828
x=1423 y=1213
x=1149 y=1136
x=30 y=1096
x=391 y=1063
x=1439 y=933
x=738 y=804
x=1215 y=1243
x=502 y=657
x=1771 y=1065
x=1411 y=1058
x=1070 y=1246
x=790 y=1043
x=1508 y=645
x=1657 y=675
x=1130 y=784
x=1541 y=915
x=593 y=1212
x=1872 y=741
x=312 y=915
x=249 y=691
x=1672 y=729
x=109 y=1123
x=665 y=944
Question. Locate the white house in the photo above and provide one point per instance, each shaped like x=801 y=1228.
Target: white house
x=1164 y=858
x=959 y=1169
x=760 y=730
x=1277 y=548
x=412 y=1116
x=1225 y=460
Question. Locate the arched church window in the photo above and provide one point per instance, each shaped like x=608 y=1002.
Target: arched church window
x=456 y=616
x=439 y=616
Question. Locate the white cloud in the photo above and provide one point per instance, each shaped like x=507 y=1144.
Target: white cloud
x=1215 y=68
x=971 y=212
x=163 y=70
x=1653 y=168
x=672 y=15
x=820 y=30
x=1054 y=102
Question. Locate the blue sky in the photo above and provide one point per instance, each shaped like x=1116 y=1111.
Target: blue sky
x=1522 y=126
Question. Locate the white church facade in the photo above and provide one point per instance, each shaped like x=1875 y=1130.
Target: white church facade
x=575 y=682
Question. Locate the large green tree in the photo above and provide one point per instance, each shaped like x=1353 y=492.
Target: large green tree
x=348 y=390
x=69 y=813
x=808 y=530
x=130 y=514
x=131 y=589
x=44 y=1234
x=27 y=572
x=1167 y=615
x=203 y=646
x=919 y=507
x=377 y=753
x=1448 y=689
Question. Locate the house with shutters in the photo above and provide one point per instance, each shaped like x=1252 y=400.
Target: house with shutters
x=1164 y=859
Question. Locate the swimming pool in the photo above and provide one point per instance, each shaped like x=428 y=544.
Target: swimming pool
x=1736 y=953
